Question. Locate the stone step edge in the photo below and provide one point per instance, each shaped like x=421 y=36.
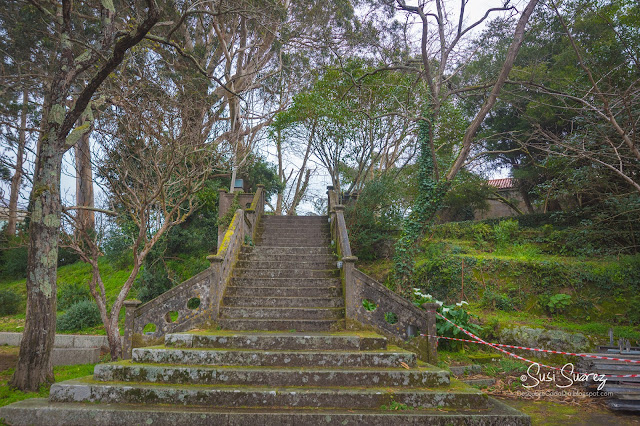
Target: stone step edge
x=436 y=390
x=391 y=350
x=355 y=370
x=40 y=410
x=280 y=308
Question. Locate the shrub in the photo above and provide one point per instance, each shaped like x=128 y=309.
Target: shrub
x=14 y=262
x=79 y=315
x=9 y=302
x=499 y=301
x=70 y=294
x=505 y=232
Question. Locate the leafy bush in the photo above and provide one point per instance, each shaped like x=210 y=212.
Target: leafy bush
x=373 y=219
x=558 y=303
x=500 y=301
x=9 y=302
x=79 y=315
x=440 y=273
x=70 y=294
x=14 y=262
x=505 y=232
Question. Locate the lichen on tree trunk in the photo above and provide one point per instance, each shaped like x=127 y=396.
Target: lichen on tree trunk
x=34 y=363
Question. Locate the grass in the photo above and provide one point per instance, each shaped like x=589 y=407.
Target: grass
x=61 y=373
x=598 y=330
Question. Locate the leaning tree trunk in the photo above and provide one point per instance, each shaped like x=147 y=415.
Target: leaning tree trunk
x=34 y=362
x=84 y=183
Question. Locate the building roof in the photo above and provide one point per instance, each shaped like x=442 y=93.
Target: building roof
x=505 y=183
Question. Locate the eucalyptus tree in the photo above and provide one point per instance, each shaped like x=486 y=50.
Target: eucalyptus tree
x=355 y=122
x=241 y=49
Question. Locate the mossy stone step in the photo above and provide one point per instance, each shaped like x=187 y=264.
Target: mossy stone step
x=285 y=251
x=261 y=324
x=89 y=390
x=41 y=411
x=265 y=291
x=294 y=242
x=277 y=341
x=286 y=282
x=284 y=302
x=284 y=273
x=287 y=257
x=260 y=376
x=263 y=358
x=286 y=264
x=312 y=313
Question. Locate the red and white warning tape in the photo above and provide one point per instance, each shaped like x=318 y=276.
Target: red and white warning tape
x=538 y=349
x=497 y=347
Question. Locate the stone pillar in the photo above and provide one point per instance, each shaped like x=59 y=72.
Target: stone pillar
x=215 y=289
x=432 y=342
x=350 y=297
x=223 y=206
x=130 y=307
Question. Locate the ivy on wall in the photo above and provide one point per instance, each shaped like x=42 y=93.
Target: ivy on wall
x=431 y=193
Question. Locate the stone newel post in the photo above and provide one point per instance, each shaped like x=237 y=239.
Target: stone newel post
x=432 y=342
x=130 y=307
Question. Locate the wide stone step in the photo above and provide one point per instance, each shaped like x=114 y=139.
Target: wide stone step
x=293 y=242
x=294 y=219
x=279 y=251
x=286 y=265
x=268 y=358
x=305 y=258
x=87 y=390
x=286 y=282
x=284 y=302
x=294 y=233
x=248 y=291
x=260 y=324
x=37 y=411
x=281 y=273
x=231 y=312
x=251 y=376
x=278 y=341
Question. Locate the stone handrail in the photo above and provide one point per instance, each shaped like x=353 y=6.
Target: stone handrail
x=197 y=300
x=387 y=312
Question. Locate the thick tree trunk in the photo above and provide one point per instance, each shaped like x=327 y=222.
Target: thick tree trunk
x=34 y=363
x=16 y=181
x=113 y=338
x=84 y=183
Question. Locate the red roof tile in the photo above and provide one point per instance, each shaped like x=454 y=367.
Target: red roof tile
x=505 y=183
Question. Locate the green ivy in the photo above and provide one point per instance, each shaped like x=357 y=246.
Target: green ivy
x=431 y=193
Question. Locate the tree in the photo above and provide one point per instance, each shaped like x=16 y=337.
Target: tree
x=439 y=76
x=75 y=74
x=153 y=176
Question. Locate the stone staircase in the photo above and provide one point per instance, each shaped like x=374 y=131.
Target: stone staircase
x=281 y=357
x=288 y=281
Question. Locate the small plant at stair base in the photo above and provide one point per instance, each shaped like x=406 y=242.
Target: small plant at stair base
x=455 y=313
x=248 y=241
x=369 y=305
x=395 y=406
x=390 y=318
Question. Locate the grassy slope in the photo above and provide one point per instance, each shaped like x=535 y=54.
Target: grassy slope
x=182 y=268
x=520 y=253
x=77 y=273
